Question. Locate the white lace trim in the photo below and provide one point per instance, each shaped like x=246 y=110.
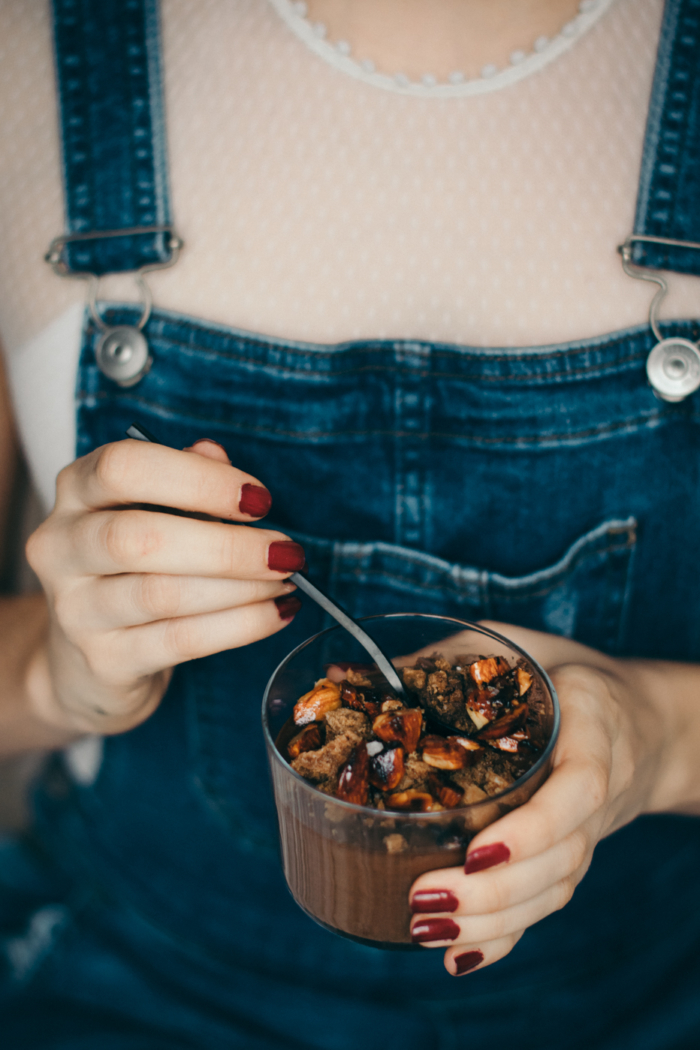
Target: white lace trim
x=492 y=79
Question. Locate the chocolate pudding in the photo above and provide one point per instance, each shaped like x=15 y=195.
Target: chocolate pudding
x=395 y=789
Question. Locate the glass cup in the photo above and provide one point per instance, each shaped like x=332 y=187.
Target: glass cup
x=350 y=867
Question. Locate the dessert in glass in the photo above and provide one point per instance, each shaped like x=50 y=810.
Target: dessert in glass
x=373 y=790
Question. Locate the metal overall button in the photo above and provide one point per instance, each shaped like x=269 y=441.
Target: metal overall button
x=673 y=368
x=122 y=352
x=122 y=355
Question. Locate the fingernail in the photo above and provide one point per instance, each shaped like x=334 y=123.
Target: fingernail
x=467 y=961
x=285 y=556
x=486 y=857
x=211 y=442
x=288 y=605
x=255 y=500
x=434 y=900
x=434 y=930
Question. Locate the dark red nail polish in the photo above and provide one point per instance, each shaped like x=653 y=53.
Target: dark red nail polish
x=486 y=857
x=288 y=605
x=255 y=500
x=434 y=900
x=285 y=556
x=434 y=930
x=467 y=961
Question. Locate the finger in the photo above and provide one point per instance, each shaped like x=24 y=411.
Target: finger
x=136 y=651
x=129 y=599
x=450 y=891
x=576 y=790
x=136 y=472
x=210 y=449
x=107 y=542
x=465 y=958
x=437 y=931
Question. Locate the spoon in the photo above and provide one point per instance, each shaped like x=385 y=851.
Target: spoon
x=139 y=433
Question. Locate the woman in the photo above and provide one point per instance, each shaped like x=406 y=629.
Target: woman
x=388 y=190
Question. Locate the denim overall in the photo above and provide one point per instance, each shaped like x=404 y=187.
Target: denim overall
x=546 y=487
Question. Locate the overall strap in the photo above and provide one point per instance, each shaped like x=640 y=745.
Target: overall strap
x=668 y=205
x=113 y=136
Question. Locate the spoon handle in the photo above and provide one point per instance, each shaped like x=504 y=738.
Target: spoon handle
x=352 y=627
x=139 y=433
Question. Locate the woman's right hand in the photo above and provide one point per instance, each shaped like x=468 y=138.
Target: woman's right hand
x=132 y=592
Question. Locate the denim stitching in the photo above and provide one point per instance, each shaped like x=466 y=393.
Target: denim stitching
x=502 y=595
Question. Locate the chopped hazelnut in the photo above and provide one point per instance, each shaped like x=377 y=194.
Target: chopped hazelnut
x=414 y=678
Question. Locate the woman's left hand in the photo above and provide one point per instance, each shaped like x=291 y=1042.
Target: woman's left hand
x=610 y=765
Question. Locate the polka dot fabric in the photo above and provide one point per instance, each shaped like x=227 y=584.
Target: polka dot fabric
x=319 y=207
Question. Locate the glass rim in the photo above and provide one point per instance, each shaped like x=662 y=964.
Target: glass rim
x=440 y=814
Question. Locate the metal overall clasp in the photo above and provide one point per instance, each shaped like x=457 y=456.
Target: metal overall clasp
x=673 y=366
x=122 y=351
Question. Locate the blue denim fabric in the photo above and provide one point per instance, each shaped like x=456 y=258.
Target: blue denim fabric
x=555 y=468
x=668 y=204
x=113 y=132
x=546 y=487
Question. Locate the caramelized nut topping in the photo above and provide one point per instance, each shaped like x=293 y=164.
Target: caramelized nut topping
x=524 y=680
x=480 y=709
x=308 y=740
x=313 y=706
x=491 y=667
x=353 y=780
x=504 y=726
x=411 y=801
x=413 y=678
x=506 y=743
x=443 y=753
x=359 y=701
x=386 y=769
x=360 y=743
x=399 y=727
x=467 y=743
x=447 y=794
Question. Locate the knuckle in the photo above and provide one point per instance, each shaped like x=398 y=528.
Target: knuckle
x=579 y=849
x=64 y=608
x=232 y=554
x=597 y=782
x=494 y=897
x=564 y=892
x=126 y=536
x=37 y=549
x=180 y=639
x=64 y=482
x=97 y=654
x=114 y=465
x=159 y=596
